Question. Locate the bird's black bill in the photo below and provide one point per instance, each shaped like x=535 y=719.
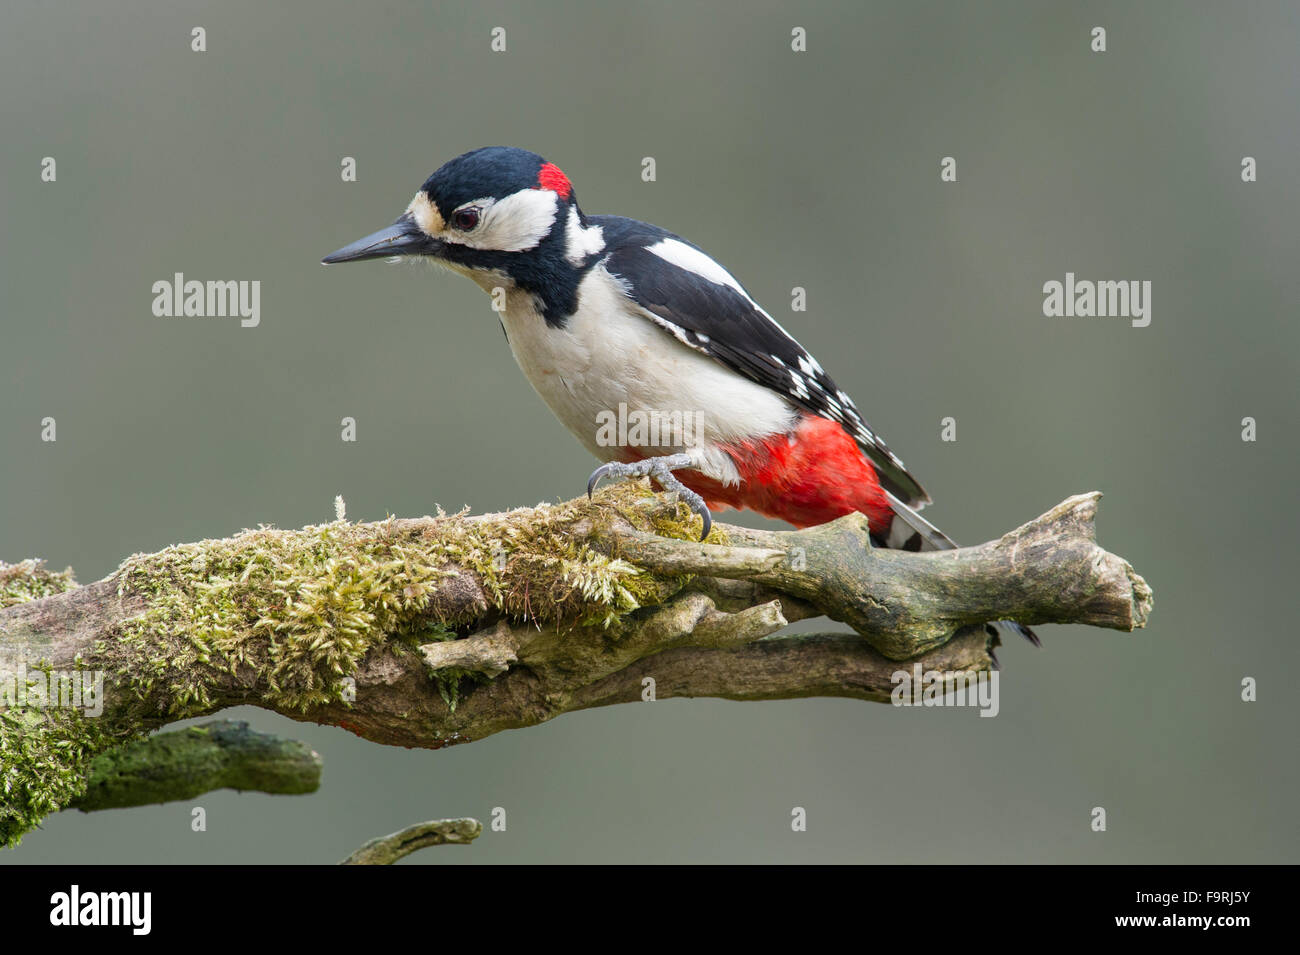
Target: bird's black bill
x=403 y=237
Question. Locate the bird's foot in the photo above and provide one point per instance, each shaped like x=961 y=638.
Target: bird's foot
x=661 y=470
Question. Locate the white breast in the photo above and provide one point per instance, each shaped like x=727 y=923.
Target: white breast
x=608 y=355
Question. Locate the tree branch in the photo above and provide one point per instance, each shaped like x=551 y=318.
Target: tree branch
x=446 y=630
x=183 y=764
x=439 y=832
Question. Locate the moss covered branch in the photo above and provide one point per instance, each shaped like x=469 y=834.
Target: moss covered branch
x=442 y=630
x=182 y=764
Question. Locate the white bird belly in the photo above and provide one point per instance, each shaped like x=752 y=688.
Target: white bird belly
x=626 y=388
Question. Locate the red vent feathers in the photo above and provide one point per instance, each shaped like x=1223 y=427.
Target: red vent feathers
x=551 y=178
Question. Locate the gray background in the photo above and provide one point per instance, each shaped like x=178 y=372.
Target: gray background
x=819 y=170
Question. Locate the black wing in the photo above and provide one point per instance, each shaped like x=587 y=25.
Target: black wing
x=700 y=304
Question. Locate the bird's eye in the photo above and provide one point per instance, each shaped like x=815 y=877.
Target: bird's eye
x=465 y=219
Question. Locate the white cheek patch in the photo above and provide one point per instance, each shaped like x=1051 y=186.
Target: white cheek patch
x=513 y=224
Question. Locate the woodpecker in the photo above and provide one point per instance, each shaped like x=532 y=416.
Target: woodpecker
x=608 y=316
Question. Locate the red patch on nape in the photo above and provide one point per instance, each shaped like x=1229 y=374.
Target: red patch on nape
x=551 y=178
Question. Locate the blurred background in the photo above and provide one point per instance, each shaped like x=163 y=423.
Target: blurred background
x=817 y=169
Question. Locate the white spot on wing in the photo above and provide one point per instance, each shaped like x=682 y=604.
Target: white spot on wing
x=809 y=366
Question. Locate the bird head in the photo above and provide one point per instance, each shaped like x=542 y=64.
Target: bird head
x=500 y=215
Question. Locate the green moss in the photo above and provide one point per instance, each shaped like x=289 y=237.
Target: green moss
x=450 y=682
x=45 y=755
x=292 y=613
x=185 y=764
x=29 y=580
x=679 y=521
x=297 y=611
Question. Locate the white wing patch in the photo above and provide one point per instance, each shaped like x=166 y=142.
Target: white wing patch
x=693 y=260
x=687 y=257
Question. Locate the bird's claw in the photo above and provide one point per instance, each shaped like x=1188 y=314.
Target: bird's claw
x=661 y=470
x=597 y=476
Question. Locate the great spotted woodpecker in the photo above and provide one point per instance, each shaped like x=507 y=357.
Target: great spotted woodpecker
x=610 y=316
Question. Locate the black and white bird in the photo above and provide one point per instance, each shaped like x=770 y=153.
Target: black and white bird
x=653 y=355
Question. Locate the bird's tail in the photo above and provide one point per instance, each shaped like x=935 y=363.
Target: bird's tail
x=910 y=531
